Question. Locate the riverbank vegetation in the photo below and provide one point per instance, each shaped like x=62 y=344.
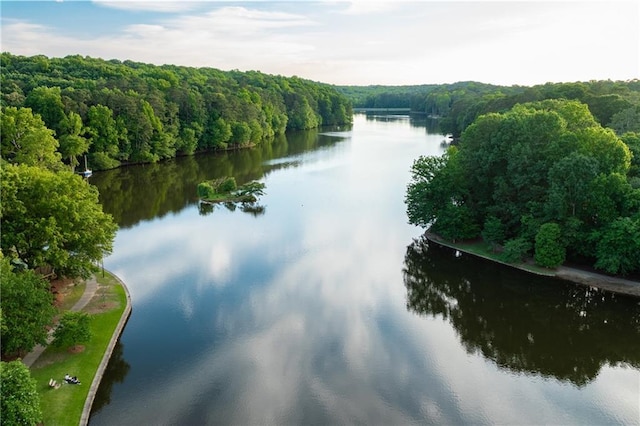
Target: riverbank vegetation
x=128 y=112
x=64 y=406
x=614 y=104
x=543 y=179
x=225 y=190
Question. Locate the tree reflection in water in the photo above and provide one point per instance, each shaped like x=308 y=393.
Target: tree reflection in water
x=522 y=322
x=117 y=369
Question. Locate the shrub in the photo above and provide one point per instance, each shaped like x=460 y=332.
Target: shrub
x=493 y=232
x=228 y=185
x=516 y=250
x=550 y=252
x=205 y=190
x=74 y=328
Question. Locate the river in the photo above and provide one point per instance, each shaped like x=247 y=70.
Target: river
x=322 y=305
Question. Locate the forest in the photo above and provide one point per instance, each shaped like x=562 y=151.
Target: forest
x=119 y=113
x=545 y=180
x=550 y=171
x=614 y=104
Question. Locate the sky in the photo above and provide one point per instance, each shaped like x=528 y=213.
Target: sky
x=362 y=42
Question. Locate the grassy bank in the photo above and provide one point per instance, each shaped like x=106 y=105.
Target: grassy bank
x=482 y=249
x=63 y=406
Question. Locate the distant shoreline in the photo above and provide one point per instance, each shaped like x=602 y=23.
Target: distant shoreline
x=578 y=276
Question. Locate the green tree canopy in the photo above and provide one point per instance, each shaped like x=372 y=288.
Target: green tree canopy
x=539 y=162
x=20 y=402
x=74 y=328
x=53 y=219
x=26 y=140
x=27 y=308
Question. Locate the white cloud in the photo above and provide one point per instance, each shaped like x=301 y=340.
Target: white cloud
x=365 y=42
x=154 y=6
x=364 y=7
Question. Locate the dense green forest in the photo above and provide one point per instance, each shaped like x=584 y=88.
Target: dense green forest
x=543 y=179
x=550 y=171
x=128 y=112
x=613 y=103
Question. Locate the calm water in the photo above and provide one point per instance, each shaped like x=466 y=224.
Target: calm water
x=323 y=306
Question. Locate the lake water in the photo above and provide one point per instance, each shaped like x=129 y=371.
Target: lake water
x=323 y=306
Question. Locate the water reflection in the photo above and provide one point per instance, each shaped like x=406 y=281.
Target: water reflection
x=430 y=124
x=523 y=323
x=137 y=193
x=253 y=209
x=116 y=371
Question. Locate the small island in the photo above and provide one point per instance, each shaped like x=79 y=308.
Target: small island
x=225 y=190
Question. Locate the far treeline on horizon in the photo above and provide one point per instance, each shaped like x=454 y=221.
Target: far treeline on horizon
x=550 y=171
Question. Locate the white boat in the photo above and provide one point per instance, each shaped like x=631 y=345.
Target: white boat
x=86 y=172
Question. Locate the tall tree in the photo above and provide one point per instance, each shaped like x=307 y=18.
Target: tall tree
x=103 y=130
x=47 y=101
x=27 y=308
x=72 y=143
x=26 y=140
x=53 y=219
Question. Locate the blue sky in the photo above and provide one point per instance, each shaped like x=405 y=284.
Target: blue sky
x=345 y=42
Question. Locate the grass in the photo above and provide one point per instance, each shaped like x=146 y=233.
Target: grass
x=64 y=406
x=482 y=249
x=72 y=294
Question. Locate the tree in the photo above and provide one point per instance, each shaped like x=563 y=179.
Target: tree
x=493 y=231
x=71 y=143
x=627 y=120
x=618 y=246
x=570 y=180
x=27 y=308
x=26 y=140
x=47 y=101
x=632 y=140
x=102 y=128
x=431 y=188
x=516 y=250
x=73 y=328
x=549 y=250
x=53 y=219
x=20 y=400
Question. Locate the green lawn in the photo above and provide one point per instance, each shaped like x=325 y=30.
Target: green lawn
x=63 y=406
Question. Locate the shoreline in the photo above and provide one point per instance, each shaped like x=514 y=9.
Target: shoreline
x=97 y=378
x=565 y=273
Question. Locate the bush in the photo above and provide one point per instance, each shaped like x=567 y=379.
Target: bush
x=456 y=223
x=74 y=328
x=618 y=247
x=516 y=250
x=205 y=190
x=493 y=232
x=20 y=402
x=228 y=185
x=550 y=251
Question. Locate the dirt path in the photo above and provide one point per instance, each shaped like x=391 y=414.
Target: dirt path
x=605 y=282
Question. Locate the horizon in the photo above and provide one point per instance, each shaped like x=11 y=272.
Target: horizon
x=345 y=43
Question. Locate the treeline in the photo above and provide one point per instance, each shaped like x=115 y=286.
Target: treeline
x=614 y=104
x=128 y=112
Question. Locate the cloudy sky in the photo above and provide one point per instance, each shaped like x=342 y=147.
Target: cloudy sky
x=345 y=42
